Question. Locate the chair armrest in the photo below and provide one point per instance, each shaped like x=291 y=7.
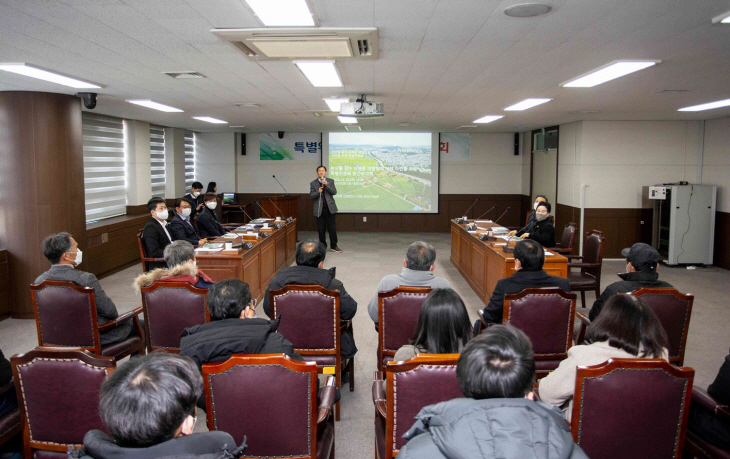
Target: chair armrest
x=575 y=257
x=584 y=323
x=156 y=260
x=327 y=400
x=379 y=395
x=124 y=318
x=706 y=401
x=562 y=250
x=584 y=265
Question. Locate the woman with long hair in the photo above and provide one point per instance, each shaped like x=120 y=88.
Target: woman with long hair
x=212 y=187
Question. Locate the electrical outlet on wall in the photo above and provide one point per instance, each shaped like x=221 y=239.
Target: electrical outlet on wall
x=364 y=219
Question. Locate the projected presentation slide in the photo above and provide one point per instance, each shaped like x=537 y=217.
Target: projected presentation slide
x=384 y=172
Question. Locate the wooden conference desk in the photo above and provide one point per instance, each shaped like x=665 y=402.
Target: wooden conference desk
x=255 y=266
x=482 y=264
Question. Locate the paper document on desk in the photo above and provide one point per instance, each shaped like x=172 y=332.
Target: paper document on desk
x=483 y=229
x=498 y=228
x=472 y=232
x=483 y=221
x=211 y=247
x=230 y=236
x=549 y=253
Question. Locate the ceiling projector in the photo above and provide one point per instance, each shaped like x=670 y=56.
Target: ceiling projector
x=362 y=109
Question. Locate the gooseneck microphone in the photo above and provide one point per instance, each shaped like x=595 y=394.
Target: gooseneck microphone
x=485 y=213
x=244 y=213
x=505 y=211
x=277 y=207
x=282 y=186
x=262 y=209
x=467 y=210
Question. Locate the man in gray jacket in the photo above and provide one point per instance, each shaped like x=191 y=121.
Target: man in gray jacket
x=417 y=271
x=499 y=419
x=64 y=254
x=321 y=191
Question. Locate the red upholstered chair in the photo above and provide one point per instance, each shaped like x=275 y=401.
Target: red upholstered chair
x=310 y=319
x=10 y=424
x=674 y=310
x=58 y=396
x=694 y=444
x=144 y=259
x=589 y=277
x=565 y=246
x=240 y=390
x=169 y=308
x=421 y=381
x=65 y=315
x=398 y=312
x=631 y=408
x=546 y=315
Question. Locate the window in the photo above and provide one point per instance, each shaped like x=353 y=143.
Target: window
x=189 y=159
x=104 y=175
x=157 y=161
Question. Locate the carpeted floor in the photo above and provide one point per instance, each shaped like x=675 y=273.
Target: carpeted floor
x=369 y=256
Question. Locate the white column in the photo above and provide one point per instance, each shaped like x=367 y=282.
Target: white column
x=174 y=163
x=137 y=153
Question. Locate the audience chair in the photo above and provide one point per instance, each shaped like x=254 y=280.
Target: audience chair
x=631 y=408
x=410 y=385
x=65 y=316
x=565 y=246
x=546 y=315
x=674 y=310
x=310 y=319
x=398 y=312
x=10 y=424
x=238 y=390
x=169 y=308
x=696 y=446
x=58 y=396
x=143 y=253
x=589 y=277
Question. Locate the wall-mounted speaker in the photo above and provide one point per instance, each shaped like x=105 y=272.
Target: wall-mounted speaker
x=243 y=144
x=517 y=143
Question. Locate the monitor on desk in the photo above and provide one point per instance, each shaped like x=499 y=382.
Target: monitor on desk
x=229 y=198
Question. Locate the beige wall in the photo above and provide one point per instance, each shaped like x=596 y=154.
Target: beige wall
x=716 y=160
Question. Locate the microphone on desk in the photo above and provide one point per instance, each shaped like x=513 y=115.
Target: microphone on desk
x=264 y=211
x=277 y=207
x=505 y=211
x=244 y=213
x=282 y=186
x=485 y=213
x=489 y=235
x=466 y=213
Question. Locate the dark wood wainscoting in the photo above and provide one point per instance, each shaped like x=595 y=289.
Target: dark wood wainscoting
x=722 y=240
x=111 y=244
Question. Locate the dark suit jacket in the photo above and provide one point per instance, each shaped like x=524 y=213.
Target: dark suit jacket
x=155 y=240
x=183 y=230
x=516 y=283
x=208 y=224
x=542 y=232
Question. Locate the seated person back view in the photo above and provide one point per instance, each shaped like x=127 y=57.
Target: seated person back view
x=181 y=226
x=63 y=252
x=627 y=328
x=706 y=424
x=529 y=259
x=443 y=326
x=309 y=270
x=541 y=229
x=148 y=407
x=180 y=257
x=499 y=418
x=155 y=235
x=208 y=223
x=417 y=271
x=641 y=271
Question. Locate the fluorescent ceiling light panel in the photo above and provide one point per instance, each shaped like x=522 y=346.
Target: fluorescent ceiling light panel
x=488 y=119
x=724 y=18
x=525 y=104
x=208 y=119
x=347 y=119
x=322 y=74
x=707 y=106
x=155 y=105
x=35 y=72
x=609 y=72
x=335 y=104
x=276 y=13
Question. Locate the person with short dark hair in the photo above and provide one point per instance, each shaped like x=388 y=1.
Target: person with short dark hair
x=443 y=326
x=529 y=259
x=641 y=271
x=155 y=235
x=208 y=222
x=542 y=229
x=180 y=257
x=417 y=271
x=499 y=417
x=626 y=329
x=322 y=191
x=63 y=252
x=181 y=226
x=310 y=270
x=196 y=198
x=148 y=406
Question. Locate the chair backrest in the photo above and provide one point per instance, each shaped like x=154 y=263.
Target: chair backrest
x=631 y=408
x=142 y=255
x=170 y=308
x=310 y=317
x=421 y=381
x=58 y=396
x=398 y=312
x=546 y=315
x=568 y=238
x=243 y=387
x=674 y=310
x=65 y=315
x=593 y=251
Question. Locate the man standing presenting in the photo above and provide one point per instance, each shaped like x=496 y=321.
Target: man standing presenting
x=321 y=191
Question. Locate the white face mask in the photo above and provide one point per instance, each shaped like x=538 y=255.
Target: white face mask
x=196 y=194
x=162 y=215
x=211 y=205
x=79 y=256
x=534 y=206
x=186 y=212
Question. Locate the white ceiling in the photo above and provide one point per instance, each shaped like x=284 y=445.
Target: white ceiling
x=442 y=63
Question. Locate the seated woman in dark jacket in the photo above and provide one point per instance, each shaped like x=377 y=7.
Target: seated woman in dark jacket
x=542 y=230
x=208 y=223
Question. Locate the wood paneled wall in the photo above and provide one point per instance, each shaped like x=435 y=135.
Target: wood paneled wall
x=111 y=245
x=4 y=286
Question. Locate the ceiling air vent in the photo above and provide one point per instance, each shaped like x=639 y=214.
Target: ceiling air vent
x=185 y=75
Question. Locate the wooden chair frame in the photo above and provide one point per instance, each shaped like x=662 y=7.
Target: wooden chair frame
x=583 y=265
x=143 y=257
x=569 y=249
x=382 y=296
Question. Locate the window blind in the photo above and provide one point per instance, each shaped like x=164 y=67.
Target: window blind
x=189 y=159
x=104 y=171
x=157 y=160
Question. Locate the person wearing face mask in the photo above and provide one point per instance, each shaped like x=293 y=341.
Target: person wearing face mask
x=196 y=198
x=181 y=226
x=63 y=252
x=208 y=222
x=155 y=235
x=532 y=218
x=180 y=257
x=542 y=229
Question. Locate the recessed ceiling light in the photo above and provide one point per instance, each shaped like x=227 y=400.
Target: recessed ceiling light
x=488 y=119
x=39 y=73
x=334 y=104
x=525 y=104
x=527 y=10
x=237 y=127
x=707 y=106
x=275 y=13
x=322 y=74
x=724 y=18
x=208 y=119
x=467 y=126
x=353 y=128
x=607 y=73
x=155 y=105
x=347 y=119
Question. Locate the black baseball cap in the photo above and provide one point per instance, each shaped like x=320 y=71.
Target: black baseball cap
x=641 y=254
